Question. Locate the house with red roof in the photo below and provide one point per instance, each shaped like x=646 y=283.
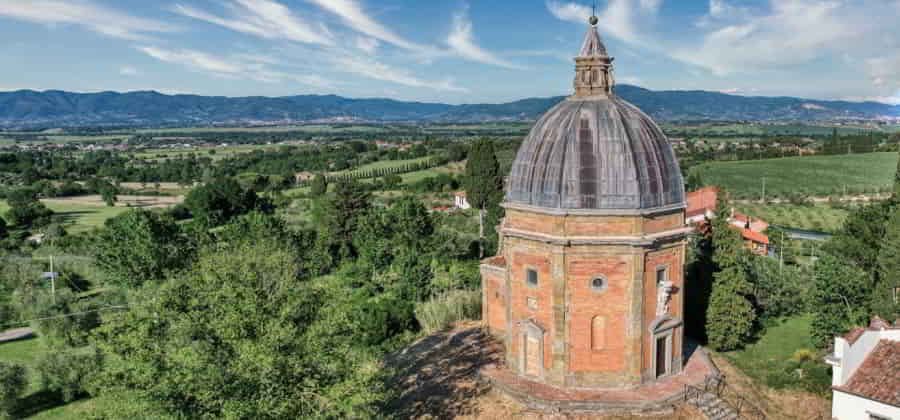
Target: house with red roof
x=701 y=205
x=866 y=372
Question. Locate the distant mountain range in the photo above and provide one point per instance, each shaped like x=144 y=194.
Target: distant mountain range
x=53 y=108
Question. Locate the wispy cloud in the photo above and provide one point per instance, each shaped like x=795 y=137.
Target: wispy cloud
x=263 y=18
x=240 y=66
x=462 y=42
x=379 y=71
x=86 y=14
x=367 y=44
x=353 y=15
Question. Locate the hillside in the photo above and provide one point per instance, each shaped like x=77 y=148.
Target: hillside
x=27 y=108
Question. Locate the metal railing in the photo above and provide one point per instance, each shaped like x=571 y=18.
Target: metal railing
x=716 y=385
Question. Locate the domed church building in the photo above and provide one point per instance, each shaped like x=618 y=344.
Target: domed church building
x=587 y=290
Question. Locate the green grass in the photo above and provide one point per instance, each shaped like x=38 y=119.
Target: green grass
x=40 y=404
x=78 y=217
x=810 y=175
x=819 y=217
x=782 y=350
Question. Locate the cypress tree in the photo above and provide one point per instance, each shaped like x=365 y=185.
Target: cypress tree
x=886 y=299
x=483 y=183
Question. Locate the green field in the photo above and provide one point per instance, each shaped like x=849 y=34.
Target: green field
x=78 y=217
x=383 y=164
x=818 y=217
x=809 y=175
x=36 y=404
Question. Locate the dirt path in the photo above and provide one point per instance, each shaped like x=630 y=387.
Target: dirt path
x=15 y=334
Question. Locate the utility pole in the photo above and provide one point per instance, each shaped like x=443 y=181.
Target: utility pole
x=763 y=190
x=52 y=281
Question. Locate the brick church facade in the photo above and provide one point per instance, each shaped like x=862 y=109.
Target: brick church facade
x=587 y=289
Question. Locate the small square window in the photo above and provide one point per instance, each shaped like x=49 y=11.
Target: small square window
x=531 y=277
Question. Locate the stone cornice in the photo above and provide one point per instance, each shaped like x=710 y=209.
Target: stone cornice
x=594 y=212
x=636 y=240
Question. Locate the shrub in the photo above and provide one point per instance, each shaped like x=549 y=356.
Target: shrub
x=12 y=384
x=67 y=371
x=443 y=310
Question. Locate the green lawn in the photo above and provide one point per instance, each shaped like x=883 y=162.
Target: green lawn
x=35 y=403
x=819 y=217
x=785 y=357
x=78 y=217
x=811 y=175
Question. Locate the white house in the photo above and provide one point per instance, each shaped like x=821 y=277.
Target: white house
x=459 y=200
x=866 y=373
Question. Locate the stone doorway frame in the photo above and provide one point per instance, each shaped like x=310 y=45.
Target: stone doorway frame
x=530 y=329
x=663 y=328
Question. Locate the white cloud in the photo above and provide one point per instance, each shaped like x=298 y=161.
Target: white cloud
x=83 y=13
x=128 y=71
x=353 y=15
x=240 y=66
x=796 y=31
x=367 y=44
x=620 y=18
x=462 y=42
x=263 y=18
x=379 y=71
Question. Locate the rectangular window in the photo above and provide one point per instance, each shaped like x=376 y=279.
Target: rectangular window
x=662 y=274
x=531 y=277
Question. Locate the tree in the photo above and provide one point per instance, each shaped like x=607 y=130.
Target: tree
x=694 y=181
x=12 y=384
x=730 y=317
x=139 y=246
x=68 y=371
x=319 y=186
x=239 y=336
x=342 y=212
x=109 y=196
x=483 y=183
x=860 y=238
x=25 y=211
x=886 y=296
x=840 y=298
x=216 y=202
x=4 y=232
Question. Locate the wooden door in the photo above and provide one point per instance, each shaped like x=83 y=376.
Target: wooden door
x=661 y=362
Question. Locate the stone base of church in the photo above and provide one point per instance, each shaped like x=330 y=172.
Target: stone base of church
x=658 y=397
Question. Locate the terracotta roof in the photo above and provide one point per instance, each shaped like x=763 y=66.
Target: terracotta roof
x=878 y=377
x=701 y=200
x=754 y=236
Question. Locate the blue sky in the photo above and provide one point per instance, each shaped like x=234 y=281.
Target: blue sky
x=450 y=50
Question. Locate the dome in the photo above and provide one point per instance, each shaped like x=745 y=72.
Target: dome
x=595 y=151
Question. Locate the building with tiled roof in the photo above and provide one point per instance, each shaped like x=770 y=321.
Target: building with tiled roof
x=701 y=204
x=866 y=373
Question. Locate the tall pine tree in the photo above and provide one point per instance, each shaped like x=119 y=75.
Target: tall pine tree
x=483 y=184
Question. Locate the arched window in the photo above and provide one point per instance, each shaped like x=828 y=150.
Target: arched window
x=598 y=333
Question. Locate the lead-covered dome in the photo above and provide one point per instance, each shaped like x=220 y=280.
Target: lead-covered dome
x=594 y=150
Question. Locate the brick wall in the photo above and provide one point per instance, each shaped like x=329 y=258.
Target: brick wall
x=587 y=303
x=494 y=311
x=672 y=258
x=522 y=259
